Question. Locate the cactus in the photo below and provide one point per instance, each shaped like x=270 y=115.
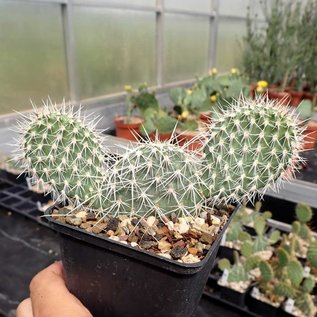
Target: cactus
x=237 y=272
x=304 y=214
x=295 y=272
x=312 y=254
x=154 y=178
x=267 y=272
x=251 y=147
x=63 y=150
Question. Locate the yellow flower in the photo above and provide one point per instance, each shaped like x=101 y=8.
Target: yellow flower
x=128 y=88
x=234 y=71
x=213 y=98
x=262 y=83
x=259 y=89
x=212 y=71
x=189 y=91
x=184 y=114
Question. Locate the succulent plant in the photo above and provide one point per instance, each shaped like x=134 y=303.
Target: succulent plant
x=65 y=151
x=304 y=215
x=251 y=147
x=238 y=272
x=312 y=254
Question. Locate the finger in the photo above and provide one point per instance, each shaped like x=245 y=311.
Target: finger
x=25 y=309
x=50 y=296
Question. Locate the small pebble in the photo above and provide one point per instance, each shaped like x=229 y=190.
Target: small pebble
x=99 y=228
x=164 y=246
x=91 y=216
x=178 y=252
x=207 y=238
x=199 y=221
x=192 y=251
x=73 y=221
x=165 y=255
x=113 y=224
x=134 y=244
x=81 y=215
x=151 y=221
x=114 y=238
x=190 y=259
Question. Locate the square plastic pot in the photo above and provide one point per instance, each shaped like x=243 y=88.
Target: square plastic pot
x=261 y=308
x=233 y=296
x=116 y=280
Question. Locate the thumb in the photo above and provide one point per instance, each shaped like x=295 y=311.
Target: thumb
x=50 y=296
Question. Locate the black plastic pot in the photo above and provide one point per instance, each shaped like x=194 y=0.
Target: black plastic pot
x=260 y=308
x=226 y=252
x=116 y=280
x=282 y=313
x=233 y=296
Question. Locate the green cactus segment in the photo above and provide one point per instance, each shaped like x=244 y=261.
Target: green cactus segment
x=284 y=289
x=250 y=147
x=303 y=213
x=246 y=249
x=295 y=272
x=154 y=178
x=65 y=152
x=296 y=226
x=224 y=264
x=283 y=257
x=312 y=254
x=308 y=285
x=251 y=263
x=238 y=274
x=275 y=236
x=306 y=305
x=266 y=271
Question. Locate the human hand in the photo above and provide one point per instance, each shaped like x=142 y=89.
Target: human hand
x=49 y=297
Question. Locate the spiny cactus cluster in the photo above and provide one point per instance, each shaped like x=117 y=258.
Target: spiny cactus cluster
x=64 y=150
x=249 y=148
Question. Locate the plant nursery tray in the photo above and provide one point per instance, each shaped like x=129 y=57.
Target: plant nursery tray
x=308 y=171
x=214 y=296
x=18 y=198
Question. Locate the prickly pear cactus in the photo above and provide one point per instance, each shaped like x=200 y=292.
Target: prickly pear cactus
x=251 y=147
x=155 y=178
x=312 y=254
x=64 y=151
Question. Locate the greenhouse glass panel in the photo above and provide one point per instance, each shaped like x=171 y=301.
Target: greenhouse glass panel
x=186 y=41
x=32 y=56
x=114 y=48
x=147 y=3
x=230 y=43
x=237 y=8
x=189 y=5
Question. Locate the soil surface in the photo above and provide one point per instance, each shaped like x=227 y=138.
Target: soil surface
x=186 y=240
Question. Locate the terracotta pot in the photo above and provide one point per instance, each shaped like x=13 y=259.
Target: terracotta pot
x=310 y=135
x=205 y=117
x=160 y=136
x=296 y=97
x=128 y=131
x=282 y=96
x=308 y=95
x=186 y=138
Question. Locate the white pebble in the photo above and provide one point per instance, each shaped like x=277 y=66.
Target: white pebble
x=150 y=221
x=199 y=221
x=134 y=244
x=81 y=214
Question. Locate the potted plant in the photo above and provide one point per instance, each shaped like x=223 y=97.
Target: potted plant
x=236 y=280
x=158 y=124
x=116 y=218
x=186 y=103
x=128 y=127
x=305 y=112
